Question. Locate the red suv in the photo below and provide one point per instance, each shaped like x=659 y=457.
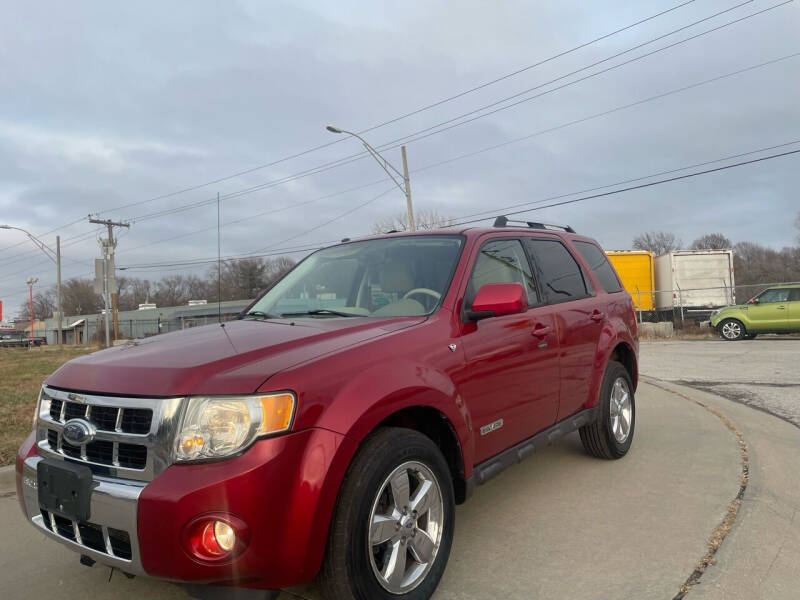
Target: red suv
x=329 y=432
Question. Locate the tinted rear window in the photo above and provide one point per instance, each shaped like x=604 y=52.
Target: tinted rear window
x=598 y=262
x=559 y=273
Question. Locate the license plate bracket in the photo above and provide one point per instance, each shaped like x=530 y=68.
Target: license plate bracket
x=64 y=488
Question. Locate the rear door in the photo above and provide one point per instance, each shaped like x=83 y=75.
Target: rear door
x=578 y=317
x=511 y=378
x=794 y=309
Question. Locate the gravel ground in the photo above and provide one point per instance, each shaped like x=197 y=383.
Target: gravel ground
x=761 y=373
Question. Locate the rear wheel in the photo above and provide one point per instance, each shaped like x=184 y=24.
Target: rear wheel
x=732 y=330
x=393 y=526
x=611 y=435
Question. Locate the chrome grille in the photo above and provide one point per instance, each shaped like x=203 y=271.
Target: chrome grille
x=133 y=438
x=110 y=541
x=105 y=418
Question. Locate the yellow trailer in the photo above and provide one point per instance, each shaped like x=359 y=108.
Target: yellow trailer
x=635 y=269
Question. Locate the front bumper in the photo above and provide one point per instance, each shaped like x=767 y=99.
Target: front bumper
x=283 y=488
x=113 y=509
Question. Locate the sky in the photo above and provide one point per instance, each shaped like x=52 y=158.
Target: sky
x=132 y=110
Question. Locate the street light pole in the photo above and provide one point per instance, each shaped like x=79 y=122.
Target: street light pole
x=30 y=283
x=56 y=258
x=405 y=187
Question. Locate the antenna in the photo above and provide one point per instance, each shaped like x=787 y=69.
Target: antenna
x=219 y=268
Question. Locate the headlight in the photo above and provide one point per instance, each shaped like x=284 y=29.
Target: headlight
x=38 y=408
x=216 y=427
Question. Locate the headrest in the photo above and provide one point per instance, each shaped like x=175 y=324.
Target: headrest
x=396 y=278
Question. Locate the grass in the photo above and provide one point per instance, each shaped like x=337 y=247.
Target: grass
x=22 y=372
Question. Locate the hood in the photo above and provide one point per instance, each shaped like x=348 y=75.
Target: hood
x=232 y=359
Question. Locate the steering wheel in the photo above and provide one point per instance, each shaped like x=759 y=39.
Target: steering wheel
x=433 y=293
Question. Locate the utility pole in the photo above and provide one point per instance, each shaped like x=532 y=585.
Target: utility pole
x=110 y=279
x=55 y=257
x=58 y=289
x=30 y=283
x=411 y=225
x=386 y=166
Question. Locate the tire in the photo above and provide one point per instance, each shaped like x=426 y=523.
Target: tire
x=732 y=330
x=355 y=564
x=608 y=437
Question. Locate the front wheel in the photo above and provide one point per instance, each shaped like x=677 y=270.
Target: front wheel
x=611 y=435
x=392 y=529
x=732 y=330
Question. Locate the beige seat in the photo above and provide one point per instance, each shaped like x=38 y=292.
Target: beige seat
x=395 y=278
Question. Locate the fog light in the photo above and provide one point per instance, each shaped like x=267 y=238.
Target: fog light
x=213 y=539
x=224 y=535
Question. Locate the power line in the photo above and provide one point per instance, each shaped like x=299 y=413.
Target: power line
x=493 y=212
x=457 y=122
x=353 y=158
x=414 y=112
x=489 y=148
x=255 y=254
x=451 y=124
x=638 y=187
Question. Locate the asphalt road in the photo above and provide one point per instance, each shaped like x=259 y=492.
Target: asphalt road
x=761 y=373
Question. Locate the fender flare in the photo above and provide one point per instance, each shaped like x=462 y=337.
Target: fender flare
x=378 y=394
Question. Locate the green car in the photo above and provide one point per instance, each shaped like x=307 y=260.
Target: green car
x=775 y=310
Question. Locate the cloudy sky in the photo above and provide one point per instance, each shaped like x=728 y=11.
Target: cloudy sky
x=112 y=108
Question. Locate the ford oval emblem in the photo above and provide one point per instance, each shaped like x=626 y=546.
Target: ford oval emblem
x=78 y=432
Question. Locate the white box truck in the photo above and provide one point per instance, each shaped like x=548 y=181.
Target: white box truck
x=699 y=281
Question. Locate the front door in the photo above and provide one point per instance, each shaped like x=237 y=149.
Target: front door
x=511 y=377
x=771 y=311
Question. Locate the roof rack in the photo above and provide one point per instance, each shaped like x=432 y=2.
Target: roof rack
x=503 y=221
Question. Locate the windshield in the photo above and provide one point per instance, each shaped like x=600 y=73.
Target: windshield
x=389 y=277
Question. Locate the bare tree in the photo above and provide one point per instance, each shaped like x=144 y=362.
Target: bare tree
x=79 y=298
x=44 y=305
x=657 y=242
x=711 y=241
x=423 y=219
x=757 y=264
x=246 y=278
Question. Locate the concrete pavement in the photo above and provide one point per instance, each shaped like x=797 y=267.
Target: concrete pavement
x=761 y=373
x=760 y=555
x=559 y=525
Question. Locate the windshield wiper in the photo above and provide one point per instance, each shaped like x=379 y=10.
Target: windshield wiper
x=320 y=311
x=259 y=315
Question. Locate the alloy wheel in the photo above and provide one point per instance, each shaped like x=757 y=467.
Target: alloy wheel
x=732 y=330
x=405 y=527
x=621 y=410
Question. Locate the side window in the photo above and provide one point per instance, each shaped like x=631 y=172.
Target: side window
x=502 y=261
x=794 y=296
x=774 y=295
x=558 y=272
x=598 y=262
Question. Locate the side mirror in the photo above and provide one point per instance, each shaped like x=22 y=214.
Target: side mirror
x=753 y=301
x=497 y=299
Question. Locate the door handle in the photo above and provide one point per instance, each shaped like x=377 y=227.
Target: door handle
x=781 y=307
x=541 y=330
x=597 y=316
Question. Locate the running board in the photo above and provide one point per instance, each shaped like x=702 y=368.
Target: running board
x=484 y=471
